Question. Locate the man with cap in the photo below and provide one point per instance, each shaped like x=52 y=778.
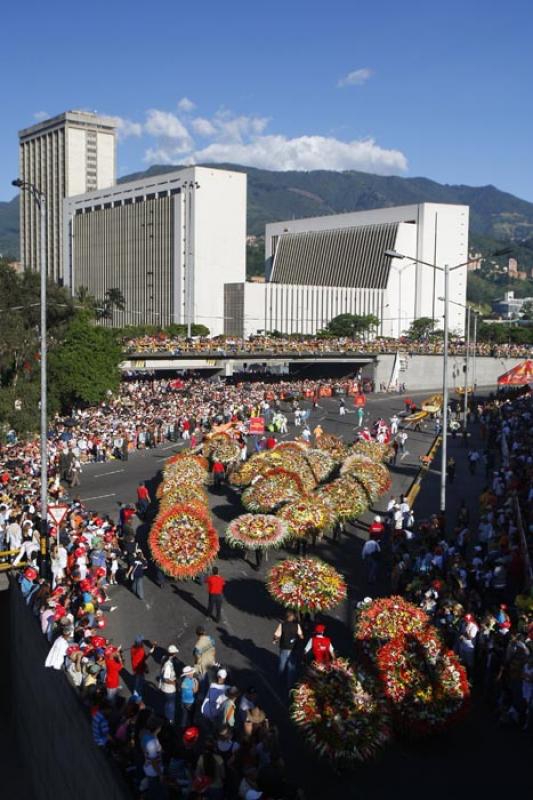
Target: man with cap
x=139 y=656
x=214 y=696
x=286 y=635
x=188 y=690
x=168 y=682
x=320 y=646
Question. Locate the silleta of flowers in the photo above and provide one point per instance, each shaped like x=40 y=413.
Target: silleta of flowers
x=183 y=541
x=345 y=496
x=321 y=463
x=253 y=531
x=386 y=618
x=308 y=517
x=182 y=493
x=426 y=684
x=333 y=445
x=185 y=467
x=271 y=490
x=373 y=476
x=372 y=449
x=221 y=446
x=339 y=714
x=306 y=584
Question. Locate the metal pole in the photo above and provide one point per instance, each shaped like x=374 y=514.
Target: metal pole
x=474 y=364
x=465 y=409
x=41 y=200
x=444 y=449
x=400 y=302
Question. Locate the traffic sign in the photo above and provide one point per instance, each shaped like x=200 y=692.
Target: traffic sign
x=57 y=513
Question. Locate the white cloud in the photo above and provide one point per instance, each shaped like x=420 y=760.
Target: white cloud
x=203 y=127
x=166 y=125
x=125 y=127
x=40 y=116
x=186 y=105
x=356 y=78
x=236 y=129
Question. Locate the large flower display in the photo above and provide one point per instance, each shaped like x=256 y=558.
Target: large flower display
x=373 y=476
x=183 y=541
x=345 y=496
x=271 y=490
x=425 y=683
x=254 y=531
x=306 y=584
x=339 y=714
x=244 y=474
x=321 y=463
x=308 y=517
x=372 y=449
x=181 y=492
x=386 y=618
x=333 y=445
x=185 y=467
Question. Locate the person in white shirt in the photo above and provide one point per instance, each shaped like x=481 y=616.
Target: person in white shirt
x=394 y=422
x=56 y=657
x=169 y=683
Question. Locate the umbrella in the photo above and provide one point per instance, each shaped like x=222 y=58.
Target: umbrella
x=519 y=375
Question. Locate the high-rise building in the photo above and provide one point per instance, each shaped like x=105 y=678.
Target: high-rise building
x=66 y=155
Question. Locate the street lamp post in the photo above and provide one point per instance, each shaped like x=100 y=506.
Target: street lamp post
x=189 y=187
x=40 y=199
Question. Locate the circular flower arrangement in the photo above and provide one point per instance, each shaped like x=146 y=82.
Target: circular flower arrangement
x=182 y=493
x=374 y=476
x=306 y=584
x=186 y=468
x=307 y=517
x=345 y=496
x=294 y=461
x=248 y=470
x=333 y=445
x=321 y=463
x=292 y=445
x=339 y=714
x=225 y=450
x=372 y=449
x=254 y=531
x=183 y=541
x=388 y=617
x=271 y=490
x=426 y=684
x=212 y=440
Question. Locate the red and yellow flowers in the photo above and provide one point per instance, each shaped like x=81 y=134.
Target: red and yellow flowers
x=183 y=541
x=306 y=584
x=254 y=531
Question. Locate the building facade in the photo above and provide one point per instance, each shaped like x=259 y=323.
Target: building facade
x=168 y=242
x=72 y=153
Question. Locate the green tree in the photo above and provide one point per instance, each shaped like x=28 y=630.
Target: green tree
x=84 y=367
x=351 y=324
x=421 y=328
x=527 y=310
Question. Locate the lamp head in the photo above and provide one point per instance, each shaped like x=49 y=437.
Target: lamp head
x=393 y=254
x=17 y=182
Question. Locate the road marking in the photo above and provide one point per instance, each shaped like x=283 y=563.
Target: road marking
x=103 y=474
x=98 y=497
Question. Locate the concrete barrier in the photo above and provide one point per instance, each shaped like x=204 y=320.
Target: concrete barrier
x=51 y=725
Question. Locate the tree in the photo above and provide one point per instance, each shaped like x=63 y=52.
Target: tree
x=351 y=325
x=84 y=367
x=421 y=328
x=527 y=310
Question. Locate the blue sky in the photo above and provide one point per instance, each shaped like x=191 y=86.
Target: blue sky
x=418 y=88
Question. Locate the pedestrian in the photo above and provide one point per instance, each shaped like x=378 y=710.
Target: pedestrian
x=286 y=636
x=204 y=653
x=215 y=589
x=342 y=407
x=395 y=448
x=320 y=646
x=394 y=423
x=168 y=683
x=370 y=555
x=228 y=709
x=218 y=471
x=360 y=416
x=215 y=696
x=136 y=574
x=376 y=528
x=402 y=439
x=113 y=667
x=450 y=469
x=153 y=759
x=473 y=458
x=189 y=687
x=139 y=656
x=143 y=498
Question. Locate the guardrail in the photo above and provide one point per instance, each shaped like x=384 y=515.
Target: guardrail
x=8 y=565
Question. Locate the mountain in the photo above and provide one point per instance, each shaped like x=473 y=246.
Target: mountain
x=274 y=196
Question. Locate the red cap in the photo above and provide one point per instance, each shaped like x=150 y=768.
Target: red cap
x=100 y=572
x=469 y=617
x=110 y=650
x=30 y=573
x=72 y=648
x=98 y=641
x=505 y=624
x=320 y=628
x=191 y=735
x=79 y=552
x=58 y=591
x=85 y=585
x=503 y=606
x=59 y=612
x=101 y=623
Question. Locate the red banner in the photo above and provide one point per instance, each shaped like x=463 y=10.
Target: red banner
x=257 y=425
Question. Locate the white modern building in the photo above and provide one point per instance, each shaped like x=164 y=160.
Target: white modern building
x=72 y=153
x=320 y=267
x=168 y=242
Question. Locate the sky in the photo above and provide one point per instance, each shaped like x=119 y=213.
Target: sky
x=417 y=88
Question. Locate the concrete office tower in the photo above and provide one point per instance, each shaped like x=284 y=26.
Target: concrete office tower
x=63 y=156
x=169 y=243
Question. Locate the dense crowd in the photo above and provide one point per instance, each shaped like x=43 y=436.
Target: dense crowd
x=226 y=346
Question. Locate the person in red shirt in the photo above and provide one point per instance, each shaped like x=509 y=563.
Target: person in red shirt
x=215 y=589
x=139 y=657
x=143 y=498
x=271 y=443
x=320 y=646
x=218 y=472
x=113 y=667
x=376 y=528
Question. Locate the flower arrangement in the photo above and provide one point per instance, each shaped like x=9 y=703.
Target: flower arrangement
x=225 y=450
x=212 y=440
x=254 y=531
x=244 y=474
x=183 y=541
x=373 y=450
x=310 y=516
x=292 y=445
x=185 y=467
x=295 y=461
x=182 y=493
x=425 y=683
x=306 y=584
x=339 y=715
x=321 y=463
x=387 y=618
x=333 y=445
x=271 y=490
x=345 y=496
x=373 y=476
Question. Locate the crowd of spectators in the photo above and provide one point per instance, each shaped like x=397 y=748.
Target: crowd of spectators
x=228 y=345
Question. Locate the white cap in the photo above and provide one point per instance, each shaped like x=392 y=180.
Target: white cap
x=187 y=671
x=172 y=649
x=222 y=674
x=377 y=519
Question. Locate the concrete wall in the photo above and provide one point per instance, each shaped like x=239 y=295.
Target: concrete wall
x=52 y=727
x=425 y=372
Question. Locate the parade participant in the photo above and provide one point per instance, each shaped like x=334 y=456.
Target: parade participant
x=143 y=498
x=204 y=653
x=218 y=471
x=376 y=528
x=286 y=636
x=320 y=646
x=215 y=589
x=168 y=683
x=139 y=656
x=189 y=687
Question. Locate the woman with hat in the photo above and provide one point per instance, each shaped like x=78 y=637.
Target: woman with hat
x=188 y=690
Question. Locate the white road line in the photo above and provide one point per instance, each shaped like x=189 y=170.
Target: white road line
x=103 y=474
x=98 y=497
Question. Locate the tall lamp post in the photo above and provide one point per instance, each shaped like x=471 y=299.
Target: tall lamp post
x=468 y=312
x=189 y=190
x=40 y=199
